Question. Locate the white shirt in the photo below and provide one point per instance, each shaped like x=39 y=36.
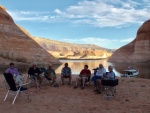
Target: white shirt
x=100 y=72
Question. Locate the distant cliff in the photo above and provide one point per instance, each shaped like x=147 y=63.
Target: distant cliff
x=136 y=51
x=17 y=46
x=73 y=51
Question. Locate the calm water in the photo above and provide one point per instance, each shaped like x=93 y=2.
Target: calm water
x=77 y=65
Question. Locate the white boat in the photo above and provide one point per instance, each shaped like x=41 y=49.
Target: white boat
x=130 y=72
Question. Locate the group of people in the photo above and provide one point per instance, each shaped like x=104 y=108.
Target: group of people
x=84 y=77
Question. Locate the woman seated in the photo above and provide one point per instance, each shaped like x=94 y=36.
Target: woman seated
x=109 y=75
x=17 y=77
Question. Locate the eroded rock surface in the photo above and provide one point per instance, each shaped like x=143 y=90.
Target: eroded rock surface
x=136 y=51
x=16 y=45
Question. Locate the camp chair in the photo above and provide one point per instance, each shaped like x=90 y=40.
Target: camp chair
x=30 y=80
x=13 y=89
x=65 y=78
x=86 y=81
x=109 y=87
x=45 y=79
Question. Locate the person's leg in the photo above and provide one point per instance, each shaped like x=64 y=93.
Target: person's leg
x=18 y=80
x=98 y=86
x=40 y=80
x=83 y=82
x=36 y=82
x=70 y=77
x=62 y=79
x=94 y=79
x=77 y=80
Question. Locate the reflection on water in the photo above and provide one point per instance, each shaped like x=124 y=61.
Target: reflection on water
x=77 y=65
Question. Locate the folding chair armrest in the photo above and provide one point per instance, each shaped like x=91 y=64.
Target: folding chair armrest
x=24 y=84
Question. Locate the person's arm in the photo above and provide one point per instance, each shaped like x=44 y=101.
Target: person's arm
x=54 y=72
x=16 y=71
x=89 y=74
x=70 y=71
x=81 y=72
x=104 y=73
x=29 y=71
x=38 y=70
x=46 y=73
x=62 y=71
x=7 y=71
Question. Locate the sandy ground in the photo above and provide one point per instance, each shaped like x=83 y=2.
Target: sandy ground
x=132 y=96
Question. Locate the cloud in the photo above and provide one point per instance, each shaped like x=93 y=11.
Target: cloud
x=97 y=13
x=127 y=40
x=103 y=42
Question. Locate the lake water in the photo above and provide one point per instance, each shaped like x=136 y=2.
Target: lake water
x=77 y=65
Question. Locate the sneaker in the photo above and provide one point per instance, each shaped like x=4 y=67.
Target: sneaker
x=75 y=87
x=69 y=83
x=95 y=90
x=98 y=92
x=87 y=83
x=23 y=88
x=56 y=85
x=82 y=87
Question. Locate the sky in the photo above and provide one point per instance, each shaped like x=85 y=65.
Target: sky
x=106 y=23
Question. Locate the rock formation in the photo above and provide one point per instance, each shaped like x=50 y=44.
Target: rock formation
x=136 y=51
x=73 y=51
x=16 y=46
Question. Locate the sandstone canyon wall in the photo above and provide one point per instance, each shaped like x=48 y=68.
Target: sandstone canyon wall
x=136 y=51
x=16 y=46
x=73 y=51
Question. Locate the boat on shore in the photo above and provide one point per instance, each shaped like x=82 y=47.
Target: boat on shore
x=130 y=72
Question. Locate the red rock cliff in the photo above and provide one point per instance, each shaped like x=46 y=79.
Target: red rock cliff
x=16 y=46
x=136 y=51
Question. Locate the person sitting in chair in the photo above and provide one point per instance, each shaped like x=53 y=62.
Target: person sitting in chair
x=99 y=74
x=51 y=75
x=17 y=77
x=35 y=73
x=109 y=75
x=83 y=76
x=66 y=73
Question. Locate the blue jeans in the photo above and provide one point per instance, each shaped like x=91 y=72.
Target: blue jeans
x=94 y=79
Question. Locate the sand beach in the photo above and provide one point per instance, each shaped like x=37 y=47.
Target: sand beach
x=132 y=96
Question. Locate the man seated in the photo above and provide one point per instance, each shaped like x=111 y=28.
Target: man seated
x=35 y=73
x=51 y=75
x=109 y=75
x=99 y=73
x=66 y=73
x=17 y=77
x=83 y=76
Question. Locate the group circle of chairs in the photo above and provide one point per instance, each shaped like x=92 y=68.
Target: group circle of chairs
x=108 y=85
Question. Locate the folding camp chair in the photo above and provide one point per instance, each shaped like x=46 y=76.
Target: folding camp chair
x=109 y=87
x=13 y=89
x=65 y=80
x=31 y=80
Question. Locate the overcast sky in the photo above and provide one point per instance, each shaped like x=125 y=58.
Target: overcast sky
x=107 y=23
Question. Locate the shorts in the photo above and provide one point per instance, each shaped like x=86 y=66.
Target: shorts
x=35 y=76
x=80 y=78
x=66 y=76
